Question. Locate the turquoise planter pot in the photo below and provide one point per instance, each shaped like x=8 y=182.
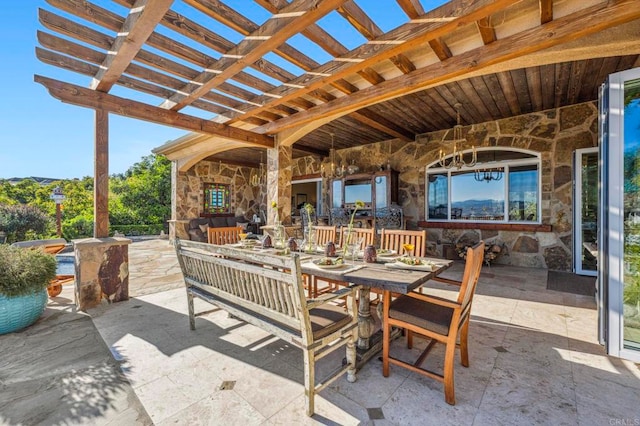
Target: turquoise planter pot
x=19 y=312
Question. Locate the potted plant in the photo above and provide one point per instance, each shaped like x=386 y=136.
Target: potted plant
x=24 y=277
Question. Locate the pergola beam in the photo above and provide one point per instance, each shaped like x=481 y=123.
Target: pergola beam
x=568 y=28
x=135 y=31
x=292 y=19
x=88 y=98
x=403 y=38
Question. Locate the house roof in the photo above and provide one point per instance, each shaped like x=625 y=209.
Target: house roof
x=238 y=73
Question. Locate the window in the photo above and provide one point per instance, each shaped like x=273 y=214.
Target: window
x=502 y=186
x=217 y=198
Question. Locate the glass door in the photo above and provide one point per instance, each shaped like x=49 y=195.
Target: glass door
x=585 y=252
x=622 y=180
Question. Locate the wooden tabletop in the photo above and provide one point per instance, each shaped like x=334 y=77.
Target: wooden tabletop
x=377 y=275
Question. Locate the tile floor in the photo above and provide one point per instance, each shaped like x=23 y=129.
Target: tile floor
x=534 y=360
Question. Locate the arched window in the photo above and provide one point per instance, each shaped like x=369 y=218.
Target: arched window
x=503 y=185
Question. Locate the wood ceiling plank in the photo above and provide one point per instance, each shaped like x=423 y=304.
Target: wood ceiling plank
x=535 y=87
x=311 y=150
x=486 y=30
x=442 y=107
x=562 y=73
x=548 y=82
x=413 y=35
x=575 y=81
x=88 y=98
x=462 y=90
x=383 y=124
x=493 y=85
x=412 y=8
x=477 y=85
x=519 y=78
x=301 y=13
x=546 y=11
x=592 y=67
x=568 y=28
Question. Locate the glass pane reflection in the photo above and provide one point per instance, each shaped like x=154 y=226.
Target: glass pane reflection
x=474 y=200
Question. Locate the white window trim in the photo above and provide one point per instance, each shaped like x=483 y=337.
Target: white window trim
x=506 y=164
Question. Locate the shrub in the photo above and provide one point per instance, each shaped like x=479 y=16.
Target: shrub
x=21 y=221
x=78 y=227
x=24 y=271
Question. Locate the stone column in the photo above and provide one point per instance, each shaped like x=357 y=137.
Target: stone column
x=102 y=271
x=173 y=232
x=279 y=163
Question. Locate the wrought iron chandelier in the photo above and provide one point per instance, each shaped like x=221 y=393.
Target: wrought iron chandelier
x=457 y=158
x=258 y=176
x=487 y=175
x=334 y=169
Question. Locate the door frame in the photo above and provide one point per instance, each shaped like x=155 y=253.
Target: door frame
x=577 y=211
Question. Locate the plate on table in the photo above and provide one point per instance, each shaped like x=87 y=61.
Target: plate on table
x=328 y=263
x=415 y=263
x=386 y=253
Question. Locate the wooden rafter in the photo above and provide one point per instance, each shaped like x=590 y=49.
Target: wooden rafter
x=440 y=48
x=365 y=26
x=138 y=26
x=546 y=11
x=88 y=98
x=292 y=20
x=486 y=30
x=323 y=39
x=412 y=8
x=368 y=55
x=570 y=27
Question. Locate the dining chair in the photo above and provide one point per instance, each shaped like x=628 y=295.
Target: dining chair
x=393 y=239
x=324 y=234
x=224 y=235
x=443 y=320
x=368 y=235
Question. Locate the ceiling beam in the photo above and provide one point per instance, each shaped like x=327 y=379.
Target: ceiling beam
x=440 y=48
x=568 y=28
x=412 y=8
x=135 y=31
x=365 y=26
x=486 y=30
x=290 y=21
x=546 y=11
x=76 y=95
x=405 y=37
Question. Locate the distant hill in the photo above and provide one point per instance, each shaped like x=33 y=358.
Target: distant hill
x=41 y=180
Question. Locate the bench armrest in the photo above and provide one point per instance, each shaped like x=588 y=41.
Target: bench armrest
x=327 y=297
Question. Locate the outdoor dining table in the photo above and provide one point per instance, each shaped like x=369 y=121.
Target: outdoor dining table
x=378 y=276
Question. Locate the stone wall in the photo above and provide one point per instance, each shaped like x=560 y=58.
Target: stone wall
x=554 y=133
x=247 y=200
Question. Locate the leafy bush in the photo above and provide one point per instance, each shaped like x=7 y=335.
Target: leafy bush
x=21 y=221
x=153 y=229
x=24 y=271
x=78 y=227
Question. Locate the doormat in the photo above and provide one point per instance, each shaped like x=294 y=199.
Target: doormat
x=571 y=283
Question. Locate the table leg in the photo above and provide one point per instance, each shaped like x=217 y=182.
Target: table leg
x=366 y=323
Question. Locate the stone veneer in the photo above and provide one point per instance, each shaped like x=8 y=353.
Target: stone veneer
x=554 y=133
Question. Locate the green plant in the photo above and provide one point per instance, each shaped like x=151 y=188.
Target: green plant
x=21 y=221
x=24 y=271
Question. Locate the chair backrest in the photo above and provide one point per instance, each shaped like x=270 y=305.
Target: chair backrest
x=472 y=268
x=368 y=235
x=389 y=217
x=224 y=235
x=393 y=239
x=324 y=234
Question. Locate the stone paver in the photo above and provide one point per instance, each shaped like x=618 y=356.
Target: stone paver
x=534 y=360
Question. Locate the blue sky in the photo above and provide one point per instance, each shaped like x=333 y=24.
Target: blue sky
x=44 y=137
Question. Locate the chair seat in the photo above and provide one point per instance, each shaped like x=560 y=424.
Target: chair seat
x=421 y=314
x=327 y=319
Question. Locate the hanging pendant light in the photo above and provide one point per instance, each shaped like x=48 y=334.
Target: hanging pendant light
x=257 y=176
x=334 y=169
x=457 y=158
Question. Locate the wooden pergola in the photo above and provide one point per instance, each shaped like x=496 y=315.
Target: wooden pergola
x=497 y=58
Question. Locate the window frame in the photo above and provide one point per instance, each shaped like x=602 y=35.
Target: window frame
x=535 y=160
x=206 y=205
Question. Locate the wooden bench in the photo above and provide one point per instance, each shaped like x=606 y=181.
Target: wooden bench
x=267 y=291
